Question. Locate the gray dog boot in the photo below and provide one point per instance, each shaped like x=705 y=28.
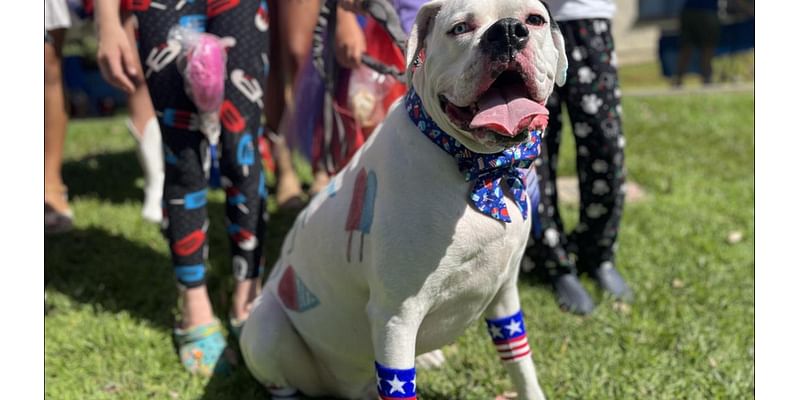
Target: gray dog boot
x=611 y=281
x=571 y=295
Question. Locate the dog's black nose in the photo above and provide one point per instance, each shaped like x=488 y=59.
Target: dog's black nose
x=503 y=39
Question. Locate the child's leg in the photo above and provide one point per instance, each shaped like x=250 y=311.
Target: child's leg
x=295 y=24
x=243 y=179
x=595 y=111
x=185 y=185
x=143 y=126
x=55 y=124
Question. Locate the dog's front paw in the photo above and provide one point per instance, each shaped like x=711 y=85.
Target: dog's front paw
x=431 y=360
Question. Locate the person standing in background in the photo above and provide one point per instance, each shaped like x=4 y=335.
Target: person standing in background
x=290 y=46
x=142 y=123
x=143 y=127
x=592 y=98
x=57 y=213
x=292 y=23
x=700 y=28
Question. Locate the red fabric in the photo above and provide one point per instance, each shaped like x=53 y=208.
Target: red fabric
x=134 y=5
x=217 y=7
x=88 y=7
x=190 y=243
x=381 y=47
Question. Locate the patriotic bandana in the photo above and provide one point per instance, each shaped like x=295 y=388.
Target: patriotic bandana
x=487 y=170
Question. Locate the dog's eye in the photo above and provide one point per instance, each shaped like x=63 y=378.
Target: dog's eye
x=535 y=20
x=459 y=29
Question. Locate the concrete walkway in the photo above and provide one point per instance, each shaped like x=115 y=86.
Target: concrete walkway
x=568 y=192
x=688 y=91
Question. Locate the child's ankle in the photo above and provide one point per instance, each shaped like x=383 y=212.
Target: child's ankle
x=243 y=296
x=196 y=308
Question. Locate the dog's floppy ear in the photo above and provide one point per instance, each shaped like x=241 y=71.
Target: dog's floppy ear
x=558 y=42
x=561 y=67
x=420 y=30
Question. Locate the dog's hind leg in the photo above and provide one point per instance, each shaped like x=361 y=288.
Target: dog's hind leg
x=507 y=330
x=275 y=354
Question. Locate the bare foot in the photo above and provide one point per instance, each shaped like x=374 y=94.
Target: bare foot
x=289 y=193
x=55 y=195
x=321 y=179
x=244 y=294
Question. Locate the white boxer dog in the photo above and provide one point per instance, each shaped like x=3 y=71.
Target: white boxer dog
x=422 y=233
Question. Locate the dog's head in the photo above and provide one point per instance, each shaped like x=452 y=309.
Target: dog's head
x=484 y=69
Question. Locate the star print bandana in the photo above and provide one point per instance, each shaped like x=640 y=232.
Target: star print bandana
x=396 y=384
x=487 y=170
x=509 y=337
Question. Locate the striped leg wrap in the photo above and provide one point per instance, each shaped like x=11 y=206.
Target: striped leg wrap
x=509 y=337
x=396 y=384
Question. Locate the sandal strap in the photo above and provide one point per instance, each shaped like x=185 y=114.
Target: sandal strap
x=184 y=336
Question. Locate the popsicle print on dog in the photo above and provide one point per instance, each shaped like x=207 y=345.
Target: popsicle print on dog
x=362 y=208
x=294 y=294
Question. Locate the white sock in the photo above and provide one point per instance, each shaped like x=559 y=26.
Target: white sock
x=151 y=158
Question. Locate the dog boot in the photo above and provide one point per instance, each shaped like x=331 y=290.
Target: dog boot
x=611 y=281
x=571 y=295
x=151 y=158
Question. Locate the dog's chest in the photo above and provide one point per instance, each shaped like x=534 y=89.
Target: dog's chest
x=466 y=283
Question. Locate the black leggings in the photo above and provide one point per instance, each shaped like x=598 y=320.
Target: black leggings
x=592 y=98
x=243 y=23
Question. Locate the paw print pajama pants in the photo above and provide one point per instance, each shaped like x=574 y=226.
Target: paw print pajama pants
x=592 y=99
x=243 y=25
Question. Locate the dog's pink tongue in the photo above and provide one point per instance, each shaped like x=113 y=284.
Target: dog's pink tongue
x=506 y=111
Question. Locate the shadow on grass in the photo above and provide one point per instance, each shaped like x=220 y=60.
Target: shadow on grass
x=110 y=273
x=242 y=386
x=114 y=274
x=109 y=176
x=238 y=386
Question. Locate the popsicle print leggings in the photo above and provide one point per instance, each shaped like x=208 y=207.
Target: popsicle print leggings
x=243 y=25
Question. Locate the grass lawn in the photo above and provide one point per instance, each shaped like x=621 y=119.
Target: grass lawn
x=111 y=300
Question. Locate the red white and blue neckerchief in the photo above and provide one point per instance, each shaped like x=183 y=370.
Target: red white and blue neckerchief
x=487 y=170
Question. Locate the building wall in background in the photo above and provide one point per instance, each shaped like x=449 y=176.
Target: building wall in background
x=636 y=42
